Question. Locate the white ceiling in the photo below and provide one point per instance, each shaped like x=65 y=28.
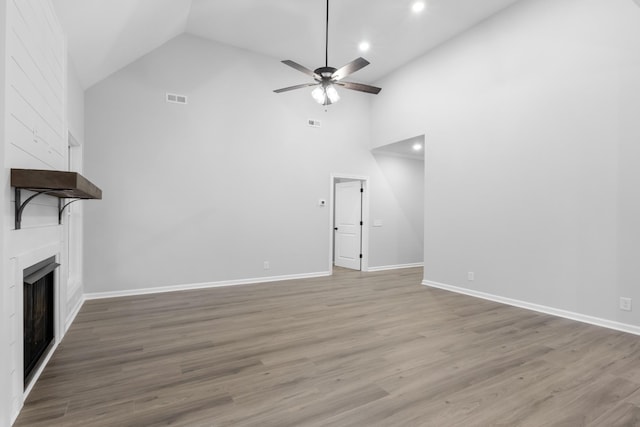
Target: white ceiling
x=106 y=35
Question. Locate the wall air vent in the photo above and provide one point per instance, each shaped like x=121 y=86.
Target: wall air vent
x=174 y=98
x=313 y=123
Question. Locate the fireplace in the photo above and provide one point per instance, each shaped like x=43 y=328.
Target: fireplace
x=39 y=306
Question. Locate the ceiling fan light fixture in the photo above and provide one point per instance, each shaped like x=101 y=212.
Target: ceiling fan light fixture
x=325 y=95
x=332 y=94
x=319 y=95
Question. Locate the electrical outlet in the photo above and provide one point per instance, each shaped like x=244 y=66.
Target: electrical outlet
x=471 y=276
x=625 y=304
x=266 y=265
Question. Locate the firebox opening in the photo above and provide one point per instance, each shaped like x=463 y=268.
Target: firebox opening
x=39 y=331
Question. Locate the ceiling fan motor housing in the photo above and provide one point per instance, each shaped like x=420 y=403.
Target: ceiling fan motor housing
x=325 y=72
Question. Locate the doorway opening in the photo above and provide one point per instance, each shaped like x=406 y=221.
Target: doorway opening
x=402 y=166
x=348 y=226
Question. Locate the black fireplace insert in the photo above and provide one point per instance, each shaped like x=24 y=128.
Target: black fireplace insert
x=38 y=314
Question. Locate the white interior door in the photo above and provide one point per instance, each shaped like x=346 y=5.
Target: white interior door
x=348 y=231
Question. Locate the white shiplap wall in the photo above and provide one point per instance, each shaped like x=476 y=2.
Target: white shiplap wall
x=35 y=137
x=36 y=78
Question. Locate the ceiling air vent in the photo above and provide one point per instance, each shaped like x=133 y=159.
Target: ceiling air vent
x=313 y=123
x=174 y=98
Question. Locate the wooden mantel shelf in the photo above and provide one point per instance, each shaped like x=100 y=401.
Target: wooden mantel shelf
x=60 y=184
x=66 y=185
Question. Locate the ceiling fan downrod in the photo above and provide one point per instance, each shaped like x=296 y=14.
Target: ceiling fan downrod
x=326 y=38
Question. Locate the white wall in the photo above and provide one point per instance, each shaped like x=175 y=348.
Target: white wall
x=208 y=191
x=532 y=158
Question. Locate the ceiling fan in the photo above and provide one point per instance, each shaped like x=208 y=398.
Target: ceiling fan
x=327 y=78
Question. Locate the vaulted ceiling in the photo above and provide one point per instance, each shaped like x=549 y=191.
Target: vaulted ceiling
x=106 y=35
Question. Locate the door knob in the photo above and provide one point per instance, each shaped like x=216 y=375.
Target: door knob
x=335 y=228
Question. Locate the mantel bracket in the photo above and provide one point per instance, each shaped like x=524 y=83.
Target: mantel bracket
x=19 y=206
x=62 y=207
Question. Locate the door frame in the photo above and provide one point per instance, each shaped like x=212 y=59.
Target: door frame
x=72 y=225
x=364 y=265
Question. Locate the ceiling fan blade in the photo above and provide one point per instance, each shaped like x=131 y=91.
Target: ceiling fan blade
x=301 y=68
x=360 y=87
x=350 y=68
x=286 y=89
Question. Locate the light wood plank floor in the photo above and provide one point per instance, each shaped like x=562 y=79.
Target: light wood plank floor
x=355 y=349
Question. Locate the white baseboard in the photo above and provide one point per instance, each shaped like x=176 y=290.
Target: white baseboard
x=618 y=326
x=394 y=267
x=192 y=286
x=74 y=313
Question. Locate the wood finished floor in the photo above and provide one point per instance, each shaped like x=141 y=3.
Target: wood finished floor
x=355 y=349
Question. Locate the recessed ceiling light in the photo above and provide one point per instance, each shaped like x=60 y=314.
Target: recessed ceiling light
x=364 y=46
x=418 y=7
x=417 y=146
